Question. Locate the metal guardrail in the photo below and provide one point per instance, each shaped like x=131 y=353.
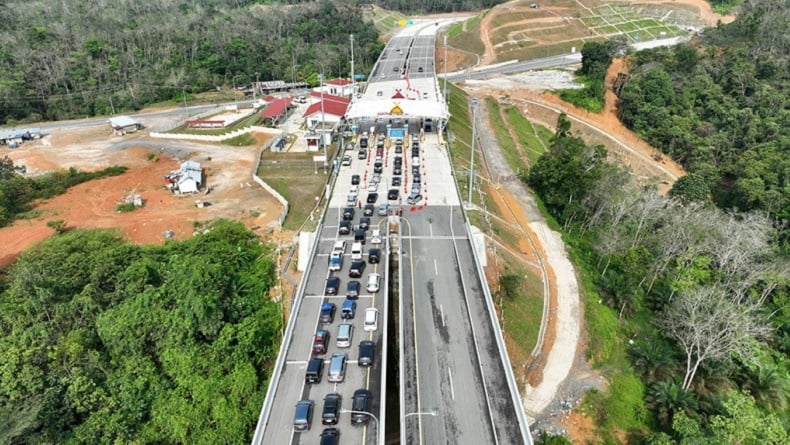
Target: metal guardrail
x=511 y=380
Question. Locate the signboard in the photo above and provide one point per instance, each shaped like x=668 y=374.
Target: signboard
x=397 y=133
x=319 y=158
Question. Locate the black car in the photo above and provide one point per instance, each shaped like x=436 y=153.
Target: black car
x=378 y=167
x=354 y=179
x=398 y=160
x=330 y=436
x=352 y=289
x=419 y=69
x=360 y=404
x=356 y=270
x=348 y=214
x=372 y=198
x=399 y=149
x=396 y=181
x=397 y=170
x=367 y=352
x=369 y=210
x=374 y=256
x=332 y=284
x=415 y=169
x=364 y=223
x=344 y=228
x=331 y=412
x=415 y=153
x=393 y=194
x=359 y=235
x=416 y=178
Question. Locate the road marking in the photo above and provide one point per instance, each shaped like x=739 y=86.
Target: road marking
x=441 y=308
x=452 y=390
x=414 y=336
x=430 y=228
x=436 y=267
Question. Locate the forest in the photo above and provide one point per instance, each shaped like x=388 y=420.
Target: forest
x=687 y=305
x=56 y=64
x=104 y=342
x=721 y=107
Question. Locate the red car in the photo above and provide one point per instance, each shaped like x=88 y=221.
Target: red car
x=320 y=340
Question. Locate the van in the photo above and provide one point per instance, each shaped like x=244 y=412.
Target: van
x=344 y=333
x=348 y=310
x=356 y=251
x=303 y=415
x=314 y=369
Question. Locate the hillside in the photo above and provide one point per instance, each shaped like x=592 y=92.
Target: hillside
x=55 y=64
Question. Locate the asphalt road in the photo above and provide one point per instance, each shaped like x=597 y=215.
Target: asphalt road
x=451 y=362
x=518 y=67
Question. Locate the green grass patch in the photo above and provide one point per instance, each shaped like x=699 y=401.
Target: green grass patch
x=607 y=30
x=125 y=207
x=588 y=97
x=294 y=177
x=628 y=26
x=454 y=30
x=647 y=23
x=593 y=21
x=530 y=142
x=242 y=140
x=520 y=303
x=469 y=39
x=254 y=119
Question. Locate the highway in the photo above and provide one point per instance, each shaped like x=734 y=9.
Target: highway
x=517 y=67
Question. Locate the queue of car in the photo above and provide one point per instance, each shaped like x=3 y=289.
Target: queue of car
x=357 y=231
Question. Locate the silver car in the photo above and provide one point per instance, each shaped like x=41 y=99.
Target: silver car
x=337 y=367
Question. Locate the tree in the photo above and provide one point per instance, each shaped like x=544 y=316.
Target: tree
x=709 y=325
x=58 y=225
x=667 y=398
x=690 y=188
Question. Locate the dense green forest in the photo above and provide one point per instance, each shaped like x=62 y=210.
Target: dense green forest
x=105 y=342
x=78 y=58
x=411 y=6
x=721 y=107
x=688 y=306
x=17 y=192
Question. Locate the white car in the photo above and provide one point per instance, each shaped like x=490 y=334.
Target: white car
x=354 y=189
x=346 y=160
x=340 y=246
x=374 y=281
x=371 y=319
x=375 y=237
x=373 y=186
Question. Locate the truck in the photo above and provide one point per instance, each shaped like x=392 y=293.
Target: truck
x=335 y=261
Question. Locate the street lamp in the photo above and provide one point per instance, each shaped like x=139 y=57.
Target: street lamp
x=433 y=413
x=323 y=118
x=472 y=161
x=351 y=411
x=235 y=103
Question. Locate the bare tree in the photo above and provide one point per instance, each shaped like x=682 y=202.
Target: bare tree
x=708 y=324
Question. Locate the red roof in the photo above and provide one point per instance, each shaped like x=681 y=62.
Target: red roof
x=277 y=107
x=339 y=82
x=397 y=95
x=330 y=97
x=269 y=98
x=330 y=107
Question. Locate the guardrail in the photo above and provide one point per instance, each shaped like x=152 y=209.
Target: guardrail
x=511 y=379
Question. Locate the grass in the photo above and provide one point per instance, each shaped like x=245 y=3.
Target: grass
x=520 y=312
x=533 y=144
x=241 y=140
x=509 y=147
x=254 y=119
x=295 y=179
x=454 y=30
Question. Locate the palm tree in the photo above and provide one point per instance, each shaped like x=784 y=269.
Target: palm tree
x=667 y=398
x=654 y=360
x=768 y=385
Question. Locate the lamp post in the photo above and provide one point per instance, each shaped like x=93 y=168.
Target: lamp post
x=433 y=413
x=351 y=411
x=472 y=161
x=323 y=117
x=255 y=87
x=235 y=101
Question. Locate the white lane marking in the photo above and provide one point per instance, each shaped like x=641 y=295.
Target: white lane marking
x=441 y=308
x=436 y=267
x=430 y=227
x=452 y=390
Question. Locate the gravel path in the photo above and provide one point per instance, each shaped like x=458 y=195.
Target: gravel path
x=566 y=319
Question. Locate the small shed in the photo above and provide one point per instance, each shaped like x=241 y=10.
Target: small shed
x=125 y=124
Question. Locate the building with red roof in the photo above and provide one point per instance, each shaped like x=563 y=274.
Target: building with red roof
x=277 y=111
x=332 y=113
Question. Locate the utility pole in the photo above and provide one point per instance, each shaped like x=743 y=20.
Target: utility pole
x=323 y=118
x=255 y=87
x=445 y=69
x=472 y=161
x=353 y=75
